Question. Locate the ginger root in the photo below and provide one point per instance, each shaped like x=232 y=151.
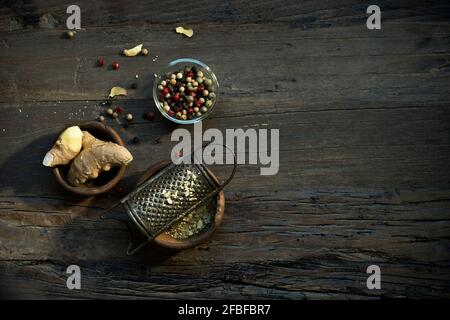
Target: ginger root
x=97 y=156
x=65 y=148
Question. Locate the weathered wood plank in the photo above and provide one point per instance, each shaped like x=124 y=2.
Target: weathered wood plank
x=304 y=65
x=41 y=14
x=332 y=148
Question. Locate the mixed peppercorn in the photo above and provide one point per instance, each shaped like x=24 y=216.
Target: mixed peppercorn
x=186 y=94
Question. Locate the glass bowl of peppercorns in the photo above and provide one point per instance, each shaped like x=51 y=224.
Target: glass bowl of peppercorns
x=186 y=92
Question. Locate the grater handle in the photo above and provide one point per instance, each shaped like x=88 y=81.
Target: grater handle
x=130 y=251
x=223 y=184
x=228 y=180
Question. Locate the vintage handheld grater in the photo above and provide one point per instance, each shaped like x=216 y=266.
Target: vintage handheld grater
x=169 y=195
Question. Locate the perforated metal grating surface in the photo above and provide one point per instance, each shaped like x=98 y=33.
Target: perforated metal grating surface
x=163 y=200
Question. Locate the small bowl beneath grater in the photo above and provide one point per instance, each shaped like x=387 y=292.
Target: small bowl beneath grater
x=165 y=239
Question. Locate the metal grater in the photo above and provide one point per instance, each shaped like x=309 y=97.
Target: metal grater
x=168 y=196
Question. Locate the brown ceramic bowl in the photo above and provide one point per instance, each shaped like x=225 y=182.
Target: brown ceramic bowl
x=167 y=241
x=107 y=179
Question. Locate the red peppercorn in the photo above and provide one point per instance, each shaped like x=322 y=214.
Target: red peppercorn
x=165 y=91
x=171 y=113
x=176 y=97
x=149 y=115
x=197 y=103
x=192 y=94
x=190 y=111
x=115 y=65
x=118 y=110
x=120 y=189
x=100 y=62
x=190 y=74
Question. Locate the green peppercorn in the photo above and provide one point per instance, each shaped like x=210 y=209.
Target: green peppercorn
x=190 y=99
x=199 y=80
x=212 y=95
x=204 y=109
x=208 y=103
x=115 y=114
x=101 y=118
x=109 y=111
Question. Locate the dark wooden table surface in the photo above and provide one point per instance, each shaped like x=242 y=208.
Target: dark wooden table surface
x=364 y=147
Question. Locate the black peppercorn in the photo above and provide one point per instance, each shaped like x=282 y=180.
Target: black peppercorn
x=105 y=103
x=134 y=85
x=136 y=140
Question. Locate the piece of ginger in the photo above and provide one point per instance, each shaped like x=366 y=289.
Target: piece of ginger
x=67 y=146
x=97 y=156
x=133 y=51
x=187 y=32
x=117 y=91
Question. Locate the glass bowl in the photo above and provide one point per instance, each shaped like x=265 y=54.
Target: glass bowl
x=179 y=66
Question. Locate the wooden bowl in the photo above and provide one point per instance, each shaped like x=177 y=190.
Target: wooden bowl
x=167 y=241
x=107 y=179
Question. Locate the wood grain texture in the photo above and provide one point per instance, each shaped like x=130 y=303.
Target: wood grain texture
x=364 y=119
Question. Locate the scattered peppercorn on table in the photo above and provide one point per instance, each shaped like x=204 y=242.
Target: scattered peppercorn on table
x=364 y=146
